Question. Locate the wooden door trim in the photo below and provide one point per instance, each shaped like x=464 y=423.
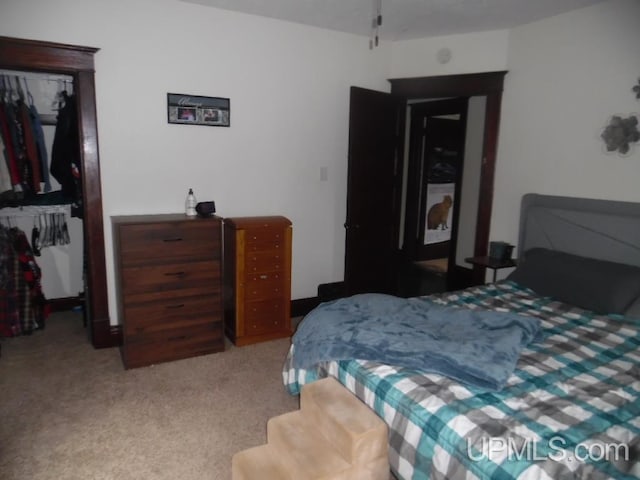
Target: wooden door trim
x=489 y=84
x=78 y=61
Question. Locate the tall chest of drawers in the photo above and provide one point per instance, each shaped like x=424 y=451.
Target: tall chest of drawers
x=169 y=283
x=257 y=278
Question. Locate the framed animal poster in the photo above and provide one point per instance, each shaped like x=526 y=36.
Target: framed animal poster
x=439 y=212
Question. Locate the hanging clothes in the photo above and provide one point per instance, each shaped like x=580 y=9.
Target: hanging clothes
x=9 y=139
x=19 y=147
x=41 y=148
x=30 y=146
x=23 y=307
x=9 y=313
x=65 y=154
x=5 y=176
x=25 y=152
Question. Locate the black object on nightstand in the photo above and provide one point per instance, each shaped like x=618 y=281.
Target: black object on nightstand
x=493 y=263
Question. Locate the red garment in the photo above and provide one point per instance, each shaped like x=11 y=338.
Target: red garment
x=12 y=160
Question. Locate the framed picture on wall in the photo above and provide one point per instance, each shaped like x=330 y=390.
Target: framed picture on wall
x=198 y=110
x=439 y=202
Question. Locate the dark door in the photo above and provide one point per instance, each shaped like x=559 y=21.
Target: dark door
x=436 y=155
x=372 y=191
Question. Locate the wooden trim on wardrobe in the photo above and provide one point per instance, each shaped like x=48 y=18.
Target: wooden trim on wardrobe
x=78 y=61
x=489 y=84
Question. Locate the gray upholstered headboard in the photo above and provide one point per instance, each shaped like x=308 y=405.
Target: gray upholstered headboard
x=602 y=229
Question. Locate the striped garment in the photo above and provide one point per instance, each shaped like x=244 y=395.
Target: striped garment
x=570 y=410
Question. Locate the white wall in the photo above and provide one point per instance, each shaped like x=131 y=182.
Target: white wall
x=289 y=90
x=567 y=76
x=474 y=142
x=472 y=53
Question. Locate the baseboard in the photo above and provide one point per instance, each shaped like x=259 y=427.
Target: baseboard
x=115 y=333
x=65 y=303
x=105 y=335
x=301 y=306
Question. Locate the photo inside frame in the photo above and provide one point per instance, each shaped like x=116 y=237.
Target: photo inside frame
x=439 y=212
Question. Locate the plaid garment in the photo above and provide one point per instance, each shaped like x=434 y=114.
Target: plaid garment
x=9 y=317
x=23 y=307
x=570 y=410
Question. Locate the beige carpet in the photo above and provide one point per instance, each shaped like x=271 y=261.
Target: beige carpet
x=68 y=411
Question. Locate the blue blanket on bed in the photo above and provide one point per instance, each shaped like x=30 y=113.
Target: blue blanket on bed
x=477 y=348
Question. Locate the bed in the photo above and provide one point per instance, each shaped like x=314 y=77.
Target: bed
x=571 y=406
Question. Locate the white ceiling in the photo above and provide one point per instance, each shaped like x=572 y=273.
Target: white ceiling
x=404 y=19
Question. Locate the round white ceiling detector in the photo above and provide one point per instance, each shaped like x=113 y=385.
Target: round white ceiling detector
x=444 y=55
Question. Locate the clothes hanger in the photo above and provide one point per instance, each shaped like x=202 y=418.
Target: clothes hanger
x=29 y=96
x=19 y=89
x=3 y=88
x=58 y=100
x=35 y=237
x=65 y=231
x=44 y=227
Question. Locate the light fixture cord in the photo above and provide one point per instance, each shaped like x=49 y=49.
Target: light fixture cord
x=375 y=24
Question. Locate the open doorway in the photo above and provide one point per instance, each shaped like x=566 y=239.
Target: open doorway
x=431 y=194
x=441 y=182
x=377 y=182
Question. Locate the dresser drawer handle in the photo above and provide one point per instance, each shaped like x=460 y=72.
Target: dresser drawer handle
x=173 y=307
x=174 y=274
x=177 y=337
x=175 y=239
x=264 y=277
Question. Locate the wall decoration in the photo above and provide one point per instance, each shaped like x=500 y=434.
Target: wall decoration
x=439 y=201
x=620 y=134
x=198 y=110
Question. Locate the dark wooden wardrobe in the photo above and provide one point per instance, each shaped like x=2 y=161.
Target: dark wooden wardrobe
x=78 y=62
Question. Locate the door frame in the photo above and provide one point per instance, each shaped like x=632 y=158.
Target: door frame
x=489 y=84
x=77 y=61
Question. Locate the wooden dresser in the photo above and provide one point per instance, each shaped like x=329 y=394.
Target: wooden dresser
x=169 y=284
x=257 y=278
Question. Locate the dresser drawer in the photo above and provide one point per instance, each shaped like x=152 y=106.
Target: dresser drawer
x=198 y=276
x=166 y=242
x=167 y=313
x=264 y=285
x=266 y=323
x=272 y=308
x=171 y=344
x=272 y=260
x=264 y=235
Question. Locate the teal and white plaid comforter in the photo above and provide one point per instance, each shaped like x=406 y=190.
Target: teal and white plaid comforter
x=570 y=410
